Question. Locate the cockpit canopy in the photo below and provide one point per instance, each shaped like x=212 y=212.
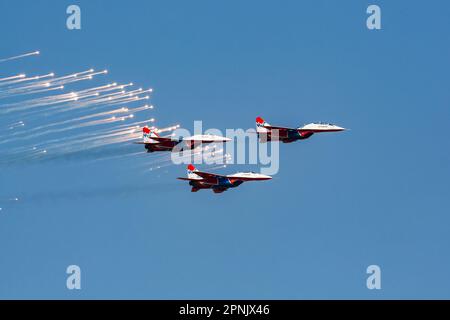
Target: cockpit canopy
x=324 y=123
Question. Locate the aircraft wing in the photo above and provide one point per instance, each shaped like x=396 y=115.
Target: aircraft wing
x=162 y=139
x=208 y=176
x=187 y=179
x=206 y=138
x=293 y=129
x=282 y=132
x=280 y=128
x=148 y=142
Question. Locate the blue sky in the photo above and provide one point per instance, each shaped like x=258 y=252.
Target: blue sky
x=377 y=194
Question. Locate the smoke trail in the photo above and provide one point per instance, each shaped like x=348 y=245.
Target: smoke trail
x=120 y=110
x=82 y=125
x=100 y=191
x=35 y=91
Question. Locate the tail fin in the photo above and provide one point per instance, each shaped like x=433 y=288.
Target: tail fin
x=148 y=133
x=191 y=172
x=261 y=124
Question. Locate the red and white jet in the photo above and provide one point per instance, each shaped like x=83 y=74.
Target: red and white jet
x=267 y=132
x=154 y=142
x=219 y=183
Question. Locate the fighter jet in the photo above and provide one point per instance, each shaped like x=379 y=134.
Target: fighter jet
x=154 y=142
x=219 y=183
x=267 y=132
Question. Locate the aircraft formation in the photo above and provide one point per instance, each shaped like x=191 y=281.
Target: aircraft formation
x=95 y=115
x=219 y=183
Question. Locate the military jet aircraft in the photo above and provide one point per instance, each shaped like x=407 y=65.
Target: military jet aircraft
x=154 y=142
x=267 y=132
x=219 y=183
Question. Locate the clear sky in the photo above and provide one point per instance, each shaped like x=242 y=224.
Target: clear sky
x=378 y=194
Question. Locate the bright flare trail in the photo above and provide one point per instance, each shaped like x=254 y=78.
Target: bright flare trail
x=51 y=125
x=20 y=56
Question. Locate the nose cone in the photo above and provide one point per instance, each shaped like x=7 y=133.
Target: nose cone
x=322 y=127
x=337 y=128
x=263 y=177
